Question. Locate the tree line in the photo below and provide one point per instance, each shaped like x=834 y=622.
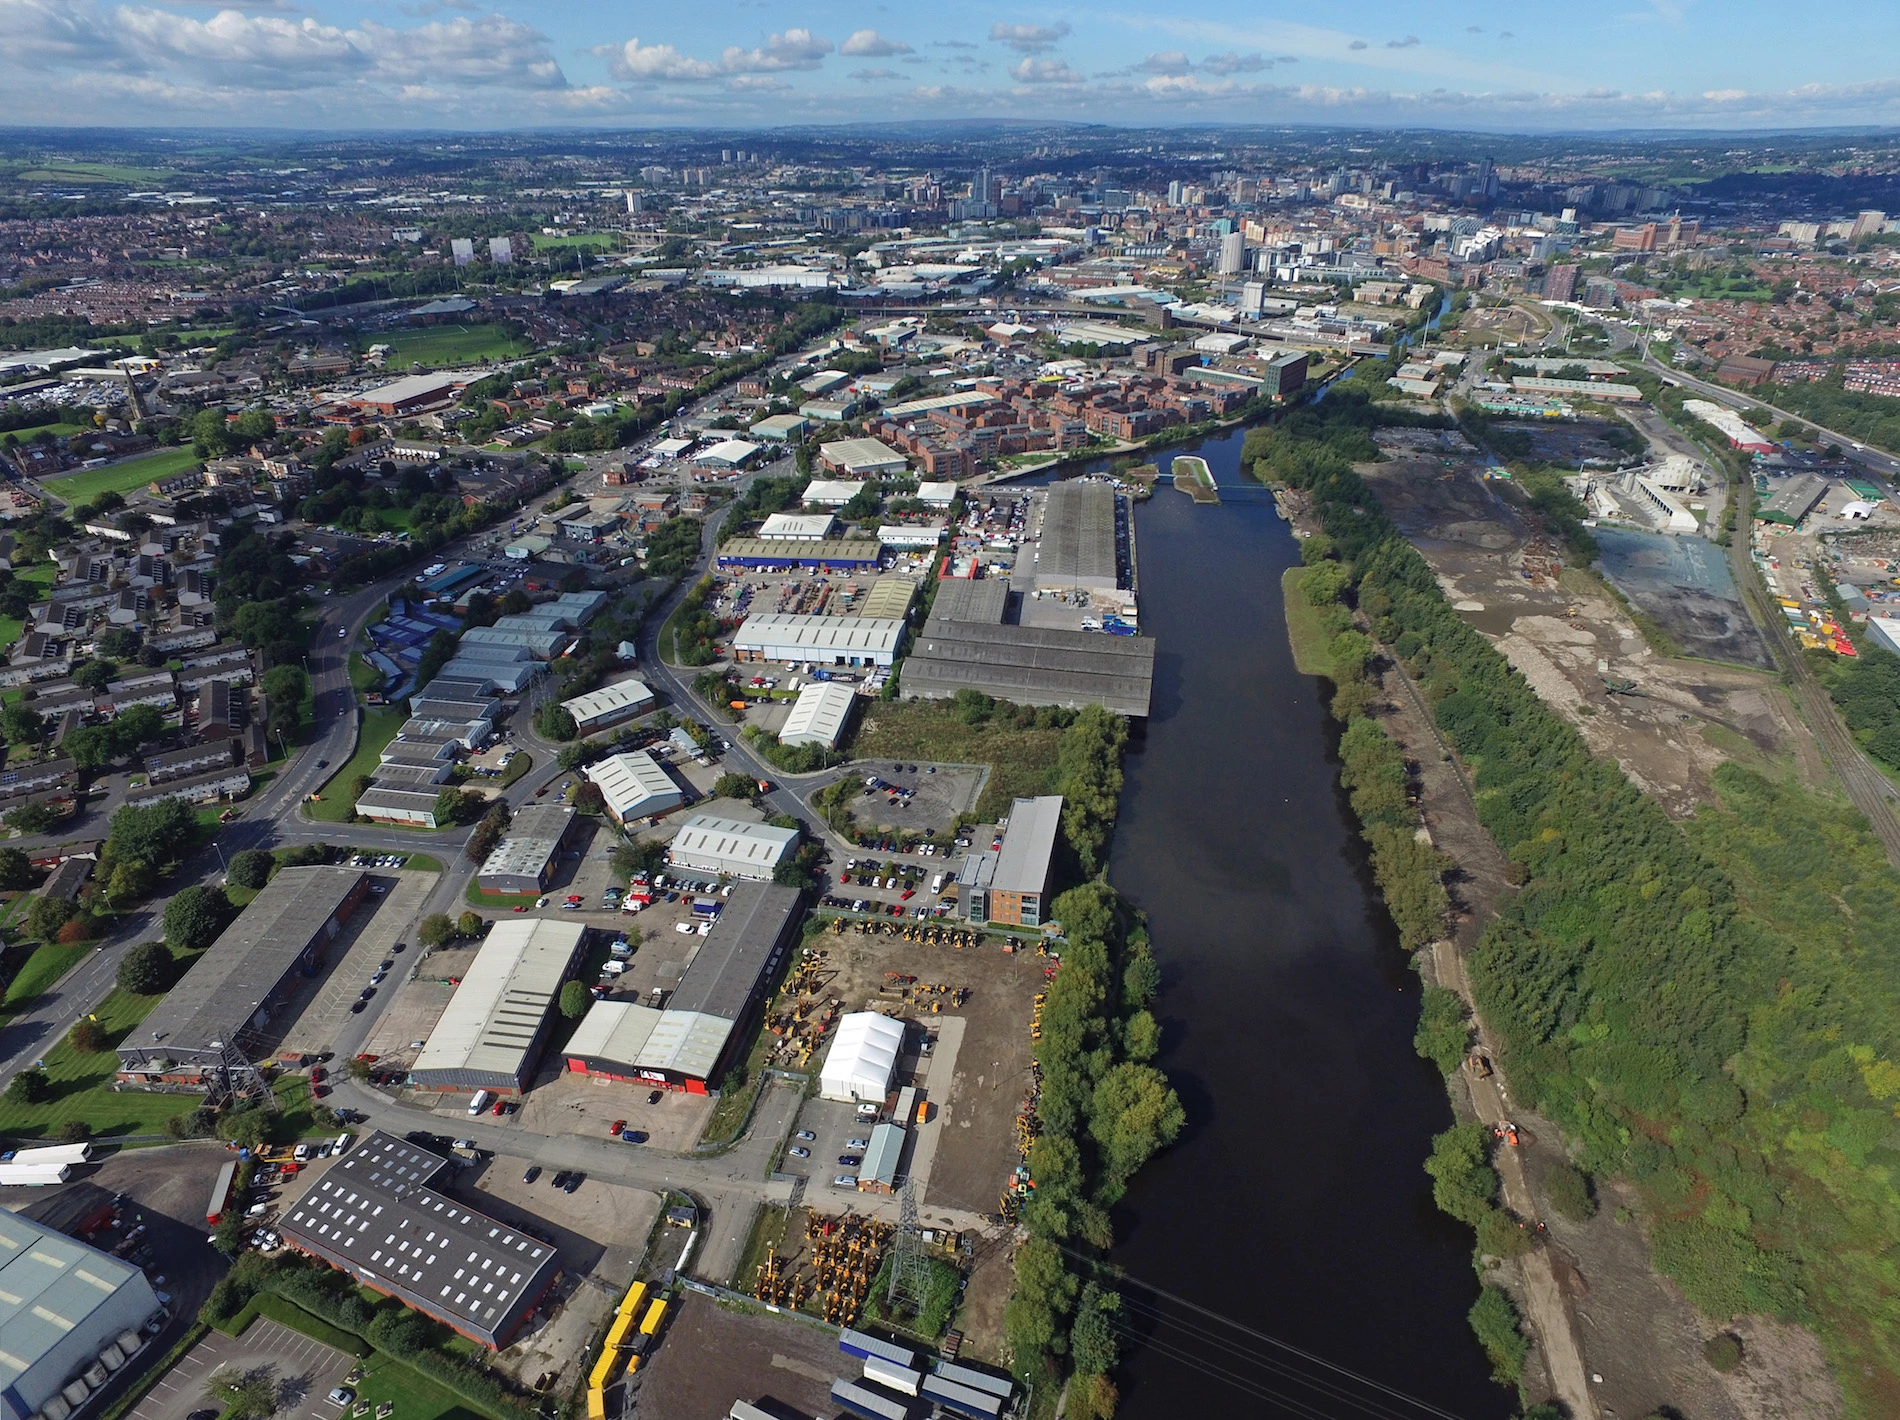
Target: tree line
x=1677 y=1001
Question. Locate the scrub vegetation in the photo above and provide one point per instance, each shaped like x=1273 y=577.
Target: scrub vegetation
x=1711 y=1009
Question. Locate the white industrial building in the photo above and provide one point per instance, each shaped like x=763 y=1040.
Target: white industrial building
x=861 y=458
x=799 y=527
x=832 y=492
x=937 y=495
x=609 y=705
x=1730 y=425
x=634 y=786
x=69 y=1317
x=819 y=715
x=730 y=847
x=863 y=1058
x=728 y=453
x=822 y=640
x=912 y=535
x=495 y=1024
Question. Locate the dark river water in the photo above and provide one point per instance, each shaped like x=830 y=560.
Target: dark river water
x=1295 y=1201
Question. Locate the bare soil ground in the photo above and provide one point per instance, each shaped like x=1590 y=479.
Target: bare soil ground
x=1570 y=638
x=1566 y=442
x=1618 y=1319
x=713 y=1353
x=977 y=1115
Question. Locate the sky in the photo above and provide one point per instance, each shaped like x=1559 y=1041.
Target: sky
x=1532 y=66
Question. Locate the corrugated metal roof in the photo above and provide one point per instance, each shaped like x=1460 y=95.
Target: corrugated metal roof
x=52 y=1286
x=1078 y=534
x=689 y=1042
x=625 y=695
x=726 y=845
x=736 y=955
x=1031 y=665
x=888 y=600
x=861 y=635
x=533 y=839
x=628 y=781
x=880 y=1160
x=819 y=715
x=614 y=1031
x=496 y=1015
x=1028 y=844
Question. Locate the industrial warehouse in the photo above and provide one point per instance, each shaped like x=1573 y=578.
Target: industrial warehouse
x=822 y=640
x=819 y=716
x=1029 y=665
x=210 y=1030
x=524 y=860
x=598 y=709
x=634 y=786
x=1078 y=538
x=374 y=1216
x=492 y=1032
x=831 y=555
x=70 y=1315
x=730 y=847
x=689 y=1044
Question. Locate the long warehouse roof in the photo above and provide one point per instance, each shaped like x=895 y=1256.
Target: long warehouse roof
x=818 y=633
x=1032 y=665
x=505 y=996
x=50 y=1285
x=531 y=840
x=225 y=986
x=1078 y=532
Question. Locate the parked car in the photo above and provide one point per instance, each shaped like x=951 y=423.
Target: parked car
x=806 y=1135
x=844 y=1180
x=849 y=1161
x=654 y=1096
x=534 y=1172
x=799 y=1151
x=857 y=1143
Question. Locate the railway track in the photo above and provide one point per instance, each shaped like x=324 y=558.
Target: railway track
x=1867 y=788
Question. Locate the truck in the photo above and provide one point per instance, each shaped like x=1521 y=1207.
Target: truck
x=33 y=1175
x=221 y=1193
x=707 y=907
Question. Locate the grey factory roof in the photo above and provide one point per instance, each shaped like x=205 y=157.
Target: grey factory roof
x=533 y=838
x=1028 y=845
x=374 y=1214
x=862 y=635
x=1031 y=665
x=248 y=961
x=961 y=599
x=1795 y=499
x=1078 y=535
x=819 y=715
x=494 y=1021
x=629 y=781
x=716 y=845
x=726 y=970
x=52 y=1287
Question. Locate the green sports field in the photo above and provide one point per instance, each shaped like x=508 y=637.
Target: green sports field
x=450 y=345
x=89 y=483
x=594 y=241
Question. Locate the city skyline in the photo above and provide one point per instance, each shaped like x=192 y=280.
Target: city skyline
x=453 y=64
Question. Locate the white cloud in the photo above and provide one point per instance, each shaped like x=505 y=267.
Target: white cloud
x=869 y=75
x=1168 y=61
x=1029 y=39
x=758 y=84
x=794 y=49
x=1409 y=42
x=659 y=61
x=1044 y=71
x=869 y=44
x=1232 y=63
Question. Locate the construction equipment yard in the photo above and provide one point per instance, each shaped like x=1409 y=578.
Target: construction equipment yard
x=1670 y=722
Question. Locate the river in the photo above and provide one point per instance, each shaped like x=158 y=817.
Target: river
x=1295 y=1201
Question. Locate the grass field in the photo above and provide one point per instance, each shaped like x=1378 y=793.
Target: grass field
x=497 y=901
x=379 y=728
x=49 y=962
x=1304 y=630
x=57 y=430
x=450 y=345
x=594 y=241
x=423 y=863
x=64 y=172
x=87 y=484
x=1022 y=762
x=82 y=1084
x=363 y=676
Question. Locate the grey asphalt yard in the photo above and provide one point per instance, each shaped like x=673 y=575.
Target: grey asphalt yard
x=306 y=1371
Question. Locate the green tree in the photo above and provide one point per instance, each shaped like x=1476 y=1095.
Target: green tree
x=553 y=722
x=265 y=623
x=1324 y=583
x=1132 y=1117
x=469 y=924
x=194 y=918
x=1444 y=1034
x=47 y=915
x=435 y=929
x=575 y=999
x=1093 y=1343
x=458 y=806
x=1494 y=1320
x=1568 y=1189
x=21 y=724
x=129 y=882
x=736 y=786
x=32 y=818
x=29 y=1086
x=146 y=970
x=155 y=834
x=16 y=870
x=87 y=1036
x=287 y=687
x=251 y=868
x=1463 y=1183
x=95 y=675
x=1045 y=1292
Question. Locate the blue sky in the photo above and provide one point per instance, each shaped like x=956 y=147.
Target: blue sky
x=1531 y=66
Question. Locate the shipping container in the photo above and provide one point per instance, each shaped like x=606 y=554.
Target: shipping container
x=963 y=1399
x=221 y=1193
x=868 y=1404
x=895 y=1377
x=857 y=1343
x=655 y=1315
x=975 y=1379
x=630 y=1304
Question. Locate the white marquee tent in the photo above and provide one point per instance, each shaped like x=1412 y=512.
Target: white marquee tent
x=863 y=1058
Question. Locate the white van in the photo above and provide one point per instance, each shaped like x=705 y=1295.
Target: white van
x=480 y=1102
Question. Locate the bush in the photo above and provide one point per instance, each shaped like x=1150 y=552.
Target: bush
x=1568 y=1189
x=47 y=915
x=251 y=868
x=469 y=924
x=436 y=929
x=575 y=1000
x=1494 y=1320
x=29 y=1087
x=74 y=1131
x=146 y=970
x=80 y=927
x=87 y=1036
x=1444 y=1033
x=1723 y=1351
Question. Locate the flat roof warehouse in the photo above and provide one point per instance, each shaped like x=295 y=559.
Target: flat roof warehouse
x=234 y=984
x=496 y=1022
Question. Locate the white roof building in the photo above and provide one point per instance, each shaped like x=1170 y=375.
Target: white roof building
x=863 y=1058
x=824 y=640
x=937 y=495
x=799 y=527
x=494 y=1027
x=731 y=847
x=832 y=492
x=634 y=785
x=860 y=457
x=819 y=715
x=911 y=534
x=729 y=453
x=609 y=705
